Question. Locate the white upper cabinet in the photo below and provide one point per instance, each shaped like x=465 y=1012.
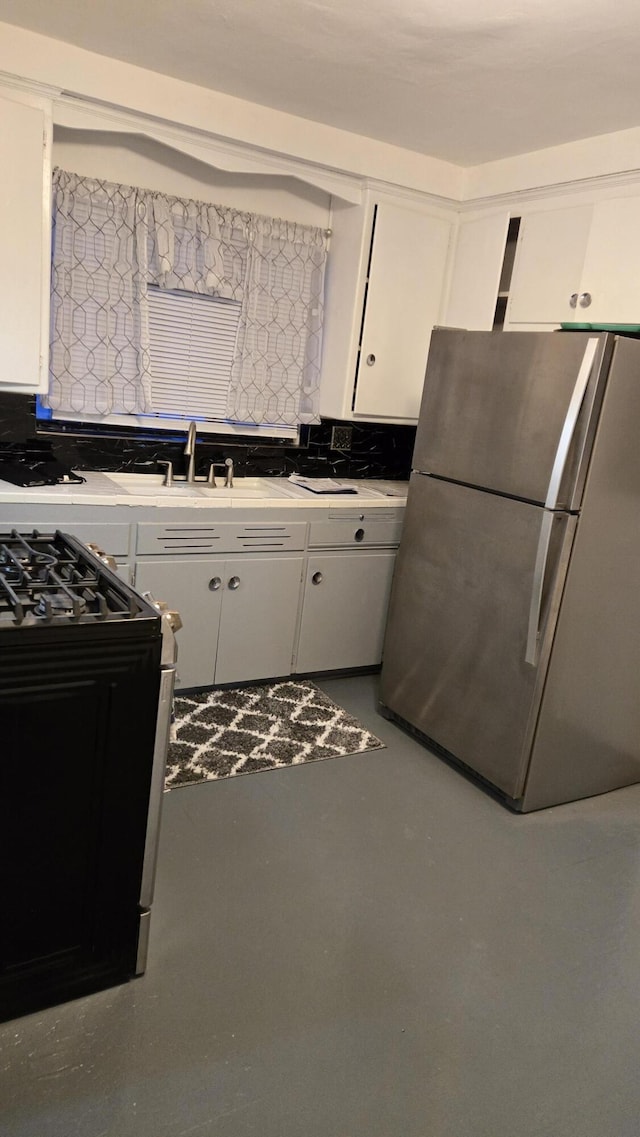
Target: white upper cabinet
x=548 y=265
x=476 y=270
x=384 y=293
x=404 y=297
x=578 y=265
x=25 y=241
x=611 y=270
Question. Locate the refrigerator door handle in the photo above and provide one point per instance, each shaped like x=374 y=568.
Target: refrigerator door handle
x=539 y=573
x=569 y=425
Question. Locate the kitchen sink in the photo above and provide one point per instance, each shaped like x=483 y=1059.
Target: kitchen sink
x=152 y=485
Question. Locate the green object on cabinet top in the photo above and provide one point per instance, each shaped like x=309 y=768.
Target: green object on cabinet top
x=621 y=329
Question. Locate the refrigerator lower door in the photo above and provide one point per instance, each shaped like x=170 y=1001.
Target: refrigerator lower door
x=474 y=601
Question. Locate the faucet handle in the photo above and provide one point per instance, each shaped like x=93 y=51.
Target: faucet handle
x=168 y=477
x=211 y=477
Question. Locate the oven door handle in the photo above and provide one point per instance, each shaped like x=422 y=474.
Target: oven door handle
x=163 y=726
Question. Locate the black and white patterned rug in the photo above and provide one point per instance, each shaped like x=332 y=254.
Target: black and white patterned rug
x=241 y=730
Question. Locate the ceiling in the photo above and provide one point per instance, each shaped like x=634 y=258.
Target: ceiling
x=467 y=81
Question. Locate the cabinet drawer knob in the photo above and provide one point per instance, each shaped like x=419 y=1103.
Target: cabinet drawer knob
x=370 y=359
x=214 y=583
x=584 y=300
x=573 y=300
x=359 y=535
x=234 y=582
x=316 y=578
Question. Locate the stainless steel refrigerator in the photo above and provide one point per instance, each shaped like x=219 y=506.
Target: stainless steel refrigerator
x=513 y=639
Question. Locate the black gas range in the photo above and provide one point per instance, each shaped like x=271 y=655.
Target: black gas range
x=86 y=683
x=54 y=581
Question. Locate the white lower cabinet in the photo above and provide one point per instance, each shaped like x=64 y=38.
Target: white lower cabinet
x=346 y=596
x=239 y=615
x=194 y=588
x=258 y=619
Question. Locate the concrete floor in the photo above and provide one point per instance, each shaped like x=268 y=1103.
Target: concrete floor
x=366 y=946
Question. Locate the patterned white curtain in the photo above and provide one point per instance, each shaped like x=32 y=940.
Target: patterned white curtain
x=99 y=318
x=110 y=241
x=276 y=372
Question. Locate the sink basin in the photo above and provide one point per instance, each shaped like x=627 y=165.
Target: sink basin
x=152 y=485
x=244 y=487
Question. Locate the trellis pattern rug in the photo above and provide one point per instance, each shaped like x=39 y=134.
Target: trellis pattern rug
x=218 y=734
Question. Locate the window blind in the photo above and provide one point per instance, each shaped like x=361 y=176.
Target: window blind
x=192 y=344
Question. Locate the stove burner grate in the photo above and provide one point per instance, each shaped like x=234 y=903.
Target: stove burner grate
x=53 y=579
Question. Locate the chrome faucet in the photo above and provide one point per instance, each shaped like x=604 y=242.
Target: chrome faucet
x=227 y=466
x=190 y=452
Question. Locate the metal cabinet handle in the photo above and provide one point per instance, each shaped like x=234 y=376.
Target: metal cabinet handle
x=370 y=360
x=215 y=583
x=359 y=535
x=234 y=583
x=316 y=578
x=573 y=300
x=584 y=299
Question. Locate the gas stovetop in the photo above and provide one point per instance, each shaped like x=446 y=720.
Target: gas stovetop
x=52 y=579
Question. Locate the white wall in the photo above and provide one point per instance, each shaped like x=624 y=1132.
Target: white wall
x=617 y=153
x=65 y=68
x=137 y=161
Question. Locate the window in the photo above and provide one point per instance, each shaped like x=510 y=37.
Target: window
x=166 y=309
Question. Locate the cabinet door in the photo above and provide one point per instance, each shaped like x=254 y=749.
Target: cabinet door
x=123 y=569
x=258 y=621
x=404 y=295
x=344 y=611
x=25 y=215
x=611 y=275
x=548 y=266
x=194 y=588
x=475 y=277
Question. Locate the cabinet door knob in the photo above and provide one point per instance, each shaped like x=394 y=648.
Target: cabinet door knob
x=584 y=299
x=359 y=535
x=234 y=583
x=214 y=583
x=573 y=300
x=316 y=578
x=370 y=360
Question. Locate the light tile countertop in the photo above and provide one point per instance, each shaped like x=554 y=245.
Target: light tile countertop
x=103 y=489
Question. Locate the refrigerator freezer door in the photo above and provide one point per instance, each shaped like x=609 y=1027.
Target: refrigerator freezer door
x=459 y=628
x=513 y=412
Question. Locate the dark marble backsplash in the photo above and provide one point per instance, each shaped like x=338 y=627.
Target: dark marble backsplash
x=377 y=450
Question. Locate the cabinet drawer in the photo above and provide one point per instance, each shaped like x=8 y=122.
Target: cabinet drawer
x=353 y=531
x=262 y=537
x=223 y=538
x=178 y=538
x=112 y=538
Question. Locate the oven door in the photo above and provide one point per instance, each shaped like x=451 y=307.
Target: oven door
x=79 y=728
